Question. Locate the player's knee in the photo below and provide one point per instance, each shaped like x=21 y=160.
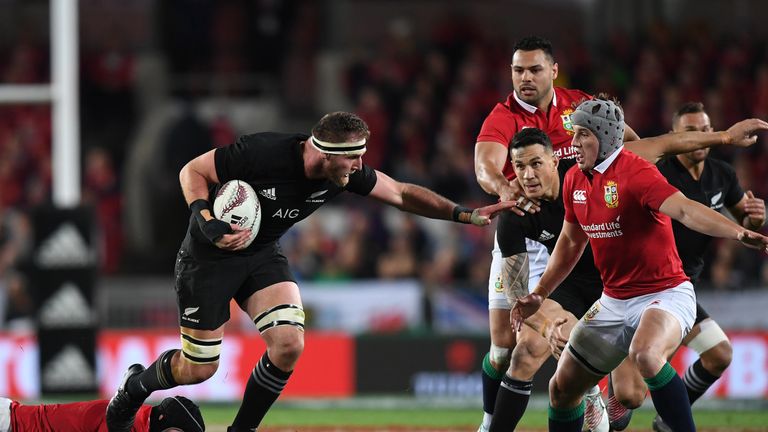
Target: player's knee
x=648 y=360
x=558 y=394
x=631 y=399
x=499 y=356
x=527 y=358
x=286 y=351
x=629 y=393
x=197 y=373
x=717 y=359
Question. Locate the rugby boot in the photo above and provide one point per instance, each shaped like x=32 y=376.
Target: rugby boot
x=122 y=408
x=618 y=415
x=595 y=413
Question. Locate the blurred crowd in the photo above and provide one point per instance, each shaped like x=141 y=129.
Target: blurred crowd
x=424 y=95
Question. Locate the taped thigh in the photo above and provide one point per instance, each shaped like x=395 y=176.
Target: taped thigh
x=711 y=334
x=598 y=349
x=284 y=314
x=200 y=351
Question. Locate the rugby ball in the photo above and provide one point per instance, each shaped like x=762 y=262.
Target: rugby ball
x=237 y=203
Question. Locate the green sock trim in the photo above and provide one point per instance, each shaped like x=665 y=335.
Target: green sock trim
x=489 y=370
x=662 y=378
x=564 y=415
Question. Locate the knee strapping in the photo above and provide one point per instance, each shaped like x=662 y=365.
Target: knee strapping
x=711 y=334
x=200 y=351
x=284 y=314
x=500 y=357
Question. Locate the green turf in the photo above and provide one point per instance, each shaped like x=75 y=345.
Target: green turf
x=280 y=416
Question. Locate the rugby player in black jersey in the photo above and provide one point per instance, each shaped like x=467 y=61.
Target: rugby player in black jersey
x=294 y=174
x=540 y=174
x=713 y=183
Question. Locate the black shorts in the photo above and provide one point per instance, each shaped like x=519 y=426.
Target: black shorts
x=701 y=314
x=205 y=287
x=577 y=299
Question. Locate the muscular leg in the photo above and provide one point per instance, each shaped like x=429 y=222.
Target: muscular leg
x=285 y=344
x=715 y=352
x=566 y=388
x=626 y=391
x=527 y=357
x=496 y=361
x=656 y=338
x=707 y=339
x=174 y=367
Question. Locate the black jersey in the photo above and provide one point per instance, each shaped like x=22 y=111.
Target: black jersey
x=272 y=164
x=718 y=187
x=544 y=227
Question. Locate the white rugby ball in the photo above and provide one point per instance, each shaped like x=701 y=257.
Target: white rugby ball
x=237 y=203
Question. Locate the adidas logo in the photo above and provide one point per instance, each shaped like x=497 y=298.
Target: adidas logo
x=68 y=370
x=65 y=247
x=546 y=235
x=66 y=308
x=268 y=193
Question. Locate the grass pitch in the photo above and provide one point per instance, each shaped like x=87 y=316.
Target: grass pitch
x=282 y=418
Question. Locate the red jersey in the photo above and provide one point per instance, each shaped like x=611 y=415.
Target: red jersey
x=71 y=417
x=508 y=118
x=618 y=209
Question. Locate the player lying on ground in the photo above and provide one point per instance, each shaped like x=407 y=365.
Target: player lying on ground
x=173 y=414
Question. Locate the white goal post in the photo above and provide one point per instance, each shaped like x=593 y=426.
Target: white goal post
x=62 y=94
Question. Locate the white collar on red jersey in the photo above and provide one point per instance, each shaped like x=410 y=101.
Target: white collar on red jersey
x=603 y=166
x=530 y=108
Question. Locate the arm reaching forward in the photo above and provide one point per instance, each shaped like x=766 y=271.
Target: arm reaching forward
x=707 y=221
x=570 y=245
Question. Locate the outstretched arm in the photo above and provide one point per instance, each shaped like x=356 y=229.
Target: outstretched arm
x=707 y=221
x=424 y=202
x=741 y=134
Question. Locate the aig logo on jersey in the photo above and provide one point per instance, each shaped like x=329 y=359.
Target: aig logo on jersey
x=611 y=194
x=286 y=213
x=566 y=118
x=580 y=196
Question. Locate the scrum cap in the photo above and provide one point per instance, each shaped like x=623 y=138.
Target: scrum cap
x=606 y=120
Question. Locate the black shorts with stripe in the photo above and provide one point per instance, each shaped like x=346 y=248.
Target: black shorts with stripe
x=701 y=314
x=204 y=288
x=577 y=298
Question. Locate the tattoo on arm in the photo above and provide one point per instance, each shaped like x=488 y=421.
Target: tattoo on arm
x=514 y=276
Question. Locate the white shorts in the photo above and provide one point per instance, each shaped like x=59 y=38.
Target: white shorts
x=537 y=262
x=5 y=415
x=601 y=339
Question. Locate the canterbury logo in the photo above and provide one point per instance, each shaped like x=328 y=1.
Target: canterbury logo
x=268 y=193
x=580 y=196
x=190 y=311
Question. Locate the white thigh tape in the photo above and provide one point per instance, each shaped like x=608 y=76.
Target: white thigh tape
x=711 y=334
x=284 y=314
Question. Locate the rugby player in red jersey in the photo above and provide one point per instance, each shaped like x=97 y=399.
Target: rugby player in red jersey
x=535 y=102
x=622 y=206
x=173 y=414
